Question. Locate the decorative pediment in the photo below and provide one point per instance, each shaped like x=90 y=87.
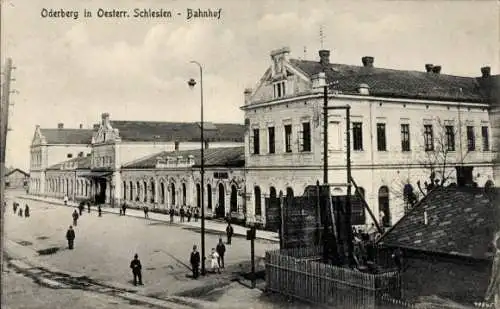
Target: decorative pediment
x=38 y=138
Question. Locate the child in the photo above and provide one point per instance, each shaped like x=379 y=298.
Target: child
x=215 y=261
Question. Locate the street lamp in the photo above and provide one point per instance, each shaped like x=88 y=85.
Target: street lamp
x=191 y=84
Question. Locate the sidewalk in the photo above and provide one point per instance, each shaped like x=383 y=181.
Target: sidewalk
x=210 y=225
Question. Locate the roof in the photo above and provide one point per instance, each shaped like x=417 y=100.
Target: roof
x=68 y=136
x=223 y=156
x=397 y=83
x=461 y=222
x=80 y=163
x=12 y=171
x=152 y=131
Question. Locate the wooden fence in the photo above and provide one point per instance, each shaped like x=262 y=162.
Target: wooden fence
x=299 y=273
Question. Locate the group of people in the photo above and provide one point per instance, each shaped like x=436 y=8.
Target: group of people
x=70 y=233
x=16 y=206
x=216 y=259
x=187 y=212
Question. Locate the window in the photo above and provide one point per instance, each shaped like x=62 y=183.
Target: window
x=381 y=140
x=428 y=137
x=256 y=141
x=306 y=136
x=450 y=138
x=279 y=90
x=486 y=138
x=288 y=138
x=271 y=140
x=357 y=136
x=209 y=196
x=176 y=145
x=471 y=139
x=405 y=137
x=257 y=196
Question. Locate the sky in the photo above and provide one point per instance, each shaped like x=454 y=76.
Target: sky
x=72 y=70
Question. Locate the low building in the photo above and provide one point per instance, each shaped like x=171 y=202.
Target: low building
x=65 y=179
x=16 y=179
x=447 y=244
x=173 y=179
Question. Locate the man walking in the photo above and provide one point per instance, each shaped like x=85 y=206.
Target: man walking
x=171 y=212
x=229 y=232
x=124 y=208
x=26 y=211
x=195 y=262
x=75 y=217
x=136 y=266
x=80 y=208
x=182 y=213
x=146 y=211
x=70 y=236
x=221 y=250
x=196 y=215
x=88 y=207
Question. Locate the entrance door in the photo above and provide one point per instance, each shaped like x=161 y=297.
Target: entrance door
x=101 y=195
x=221 y=209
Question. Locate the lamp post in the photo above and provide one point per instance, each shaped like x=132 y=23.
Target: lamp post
x=191 y=84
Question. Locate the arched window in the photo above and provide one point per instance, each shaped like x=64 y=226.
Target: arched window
x=172 y=194
x=383 y=206
x=145 y=192
x=272 y=192
x=137 y=191
x=358 y=209
x=153 y=192
x=234 y=199
x=209 y=196
x=258 y=206
x=184 y=193
x=131 y=191
x=124 y=190
x=162 y=193
x=198 y=195
x=289 y=192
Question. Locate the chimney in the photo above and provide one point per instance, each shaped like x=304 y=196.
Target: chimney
x=324 y=57
x=367 y=61
x=105 y=118
x=247 y=93
x=428 y=67
x=436 y=69
x=486 y=71
x=364 y=89
x=81 y=126
x=60 y=125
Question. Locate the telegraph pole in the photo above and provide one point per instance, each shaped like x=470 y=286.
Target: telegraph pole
x=4 y=127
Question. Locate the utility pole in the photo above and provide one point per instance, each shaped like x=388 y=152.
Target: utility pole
x=4 y=127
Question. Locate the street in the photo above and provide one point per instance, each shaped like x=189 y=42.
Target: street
x=104 y=247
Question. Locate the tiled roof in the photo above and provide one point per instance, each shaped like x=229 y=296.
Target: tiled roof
x=14 y=170
x=460 y=222
x=223 y=156
x=397 y=83
x=80 y=162
x=150 y=131
x=68 y=136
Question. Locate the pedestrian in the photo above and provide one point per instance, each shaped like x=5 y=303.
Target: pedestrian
x=99 y=210
x=124 y=208
x=20 y=212
x=146 y=210
x=196 y=215
x=195 y=262
x=65 y=200
x=80 y=208
x=221 y=250
x=75 y=217
x=188 y=214
x=136 y=266
x=171 y=212
x=70 y=236
x=214 y=261
x=14 y=206
x=182 y=212
x=88 y=207
x=26 y=211
x=229 y=232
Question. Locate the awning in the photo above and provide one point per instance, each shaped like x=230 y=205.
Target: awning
x=95 y=174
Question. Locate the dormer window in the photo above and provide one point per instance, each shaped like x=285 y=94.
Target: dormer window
x=279 y=89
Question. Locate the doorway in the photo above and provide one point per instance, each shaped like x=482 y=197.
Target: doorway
x=221 y=207
x=101 y=194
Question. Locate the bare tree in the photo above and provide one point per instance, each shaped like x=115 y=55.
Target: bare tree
x=441 y=153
